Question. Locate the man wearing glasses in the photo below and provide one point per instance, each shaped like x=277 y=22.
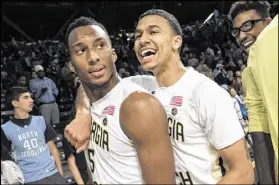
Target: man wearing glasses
x=258 y=36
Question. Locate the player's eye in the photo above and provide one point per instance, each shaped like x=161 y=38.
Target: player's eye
x=100 y=46
x=153 y=32
x=137 y=36
x=80 y=51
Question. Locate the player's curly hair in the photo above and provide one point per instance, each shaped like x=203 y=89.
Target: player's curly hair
x=261 y=7
x=83 y=21
x=169 y=17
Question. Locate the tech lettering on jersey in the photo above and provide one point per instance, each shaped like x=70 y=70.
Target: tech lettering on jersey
x=184 y=178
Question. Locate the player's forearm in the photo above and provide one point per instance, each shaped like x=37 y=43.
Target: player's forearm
x=82 y=104
x=160 y=172
x=75 y=171
x=157 y=168
x=239 y=176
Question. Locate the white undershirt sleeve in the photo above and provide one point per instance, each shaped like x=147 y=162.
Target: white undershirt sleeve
x=147 y=82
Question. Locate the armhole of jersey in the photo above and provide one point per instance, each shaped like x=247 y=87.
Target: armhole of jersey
x=45 y=124
x=123 y=133
x=125 y=136
x=129 y=138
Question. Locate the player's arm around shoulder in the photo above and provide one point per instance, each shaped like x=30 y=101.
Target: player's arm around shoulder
x=144 y=121
x=78 y=130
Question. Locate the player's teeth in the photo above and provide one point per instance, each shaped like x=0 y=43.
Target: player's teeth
x=247 y=43
x=145 y=51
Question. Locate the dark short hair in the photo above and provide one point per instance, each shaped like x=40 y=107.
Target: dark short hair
x=169 y=17
x=14 y=94
x=83 y=21
x=261 y=7
x=21 y=75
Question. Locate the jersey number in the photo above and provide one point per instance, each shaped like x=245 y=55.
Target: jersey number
x=90 y=156
x=28 y=143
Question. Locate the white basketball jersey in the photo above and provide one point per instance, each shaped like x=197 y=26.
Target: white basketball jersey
x=201 y=120
x=111 y=155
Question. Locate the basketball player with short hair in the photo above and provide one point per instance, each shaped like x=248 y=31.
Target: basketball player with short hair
x=203 y=124
x=128 y=145
x=250 y=20
x=30 y=141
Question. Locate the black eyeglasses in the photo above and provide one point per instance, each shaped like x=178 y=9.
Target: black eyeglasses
x=245 y=27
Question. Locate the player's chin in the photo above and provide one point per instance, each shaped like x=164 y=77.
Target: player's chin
x=29 y=109
x=99 y=82
x=149 y=66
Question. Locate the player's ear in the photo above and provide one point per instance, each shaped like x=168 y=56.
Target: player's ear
x=268 y=20
x=114 y=55
x=71 y=67
x=176 y=42
x=14 y=103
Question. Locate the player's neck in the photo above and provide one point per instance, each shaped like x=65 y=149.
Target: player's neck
x=170 y=73
x=99 y=92
x=20 y=114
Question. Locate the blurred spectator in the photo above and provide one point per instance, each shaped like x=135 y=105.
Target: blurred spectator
x=240 y=109
x=221 y=79
x=74 y=76
x=54 y=71
x=219 y=69
x=65 y=71
x=21 y=81
x=45 y=92
x=68 y=89
x=193 y=61
x=238 y=84
x=30 y=140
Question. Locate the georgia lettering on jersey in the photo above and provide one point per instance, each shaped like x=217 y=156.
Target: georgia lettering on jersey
x=196 y=162
x=99 y=141
x=175 y=113
x=100 y=135
x=185 y=134
x=111 y=156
